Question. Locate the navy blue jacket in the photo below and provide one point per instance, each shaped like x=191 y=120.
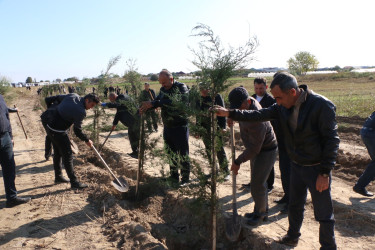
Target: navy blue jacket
x=70 y=111
x=123 y=104
x=4 y=118
x=173 y=103
x=370 y=122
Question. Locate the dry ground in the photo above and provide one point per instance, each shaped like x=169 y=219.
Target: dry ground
x=162 y=217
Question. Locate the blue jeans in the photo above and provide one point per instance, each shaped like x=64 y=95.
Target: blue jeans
x=368 y=138
x=261 y=166
x=8 y=166
x=301 y=179
x=177 y=142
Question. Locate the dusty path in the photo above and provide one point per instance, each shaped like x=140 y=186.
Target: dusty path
x=59 y=218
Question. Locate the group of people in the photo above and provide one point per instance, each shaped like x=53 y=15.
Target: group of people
x=296 y=123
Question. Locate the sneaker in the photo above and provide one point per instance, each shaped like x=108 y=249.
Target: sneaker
x=78 y=185
x=269 y=190
x=289 y=241
x=282 y=200
x=227 y=177
x=133 y=154
x=17 y=201
x=184 y=183
x=61 y=179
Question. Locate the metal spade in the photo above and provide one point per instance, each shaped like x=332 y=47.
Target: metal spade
x=119 y=183
x=233 y=224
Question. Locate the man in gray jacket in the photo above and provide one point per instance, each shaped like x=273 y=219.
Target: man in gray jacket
x=308 y=124
x=261 y=148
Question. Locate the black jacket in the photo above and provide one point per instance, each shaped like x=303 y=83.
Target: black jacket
x=173 y=103
x=203 y=105
x=125 y=107
x=70 y=110
x=148 y=95
x=4 y=118
x=266 y=101
x=315 y=140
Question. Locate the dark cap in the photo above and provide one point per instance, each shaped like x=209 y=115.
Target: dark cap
x=237 y=96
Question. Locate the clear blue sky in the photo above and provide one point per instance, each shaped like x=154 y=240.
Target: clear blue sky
x=49 y=39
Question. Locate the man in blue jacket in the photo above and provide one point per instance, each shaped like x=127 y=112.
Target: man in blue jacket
x=173 y=100
x=71 y=110
x=7 y=162
x=308 y=124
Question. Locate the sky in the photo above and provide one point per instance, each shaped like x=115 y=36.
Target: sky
x=50 y=39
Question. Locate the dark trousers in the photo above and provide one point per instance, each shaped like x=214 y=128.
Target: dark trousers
x=133 y=129
x=220 y=152
x=301 y=179
x=285 y=165
x=177 y=143
x=152 y=117
x=368 y=138
x=8 y=165
x=47 y=147
x=62 y=154
x=271 y=178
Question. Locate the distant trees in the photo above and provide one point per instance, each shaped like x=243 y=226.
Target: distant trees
x=29 y=80
x=133 y=77
x=74 y=79
x=4 y=85
x=302 y=62
x=58 y=80
x=154 y=77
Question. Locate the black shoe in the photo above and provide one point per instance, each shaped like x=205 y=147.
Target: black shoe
x=17 y=201
x=362 y=191
x=47 y=158
x=255 y=219
x=246 y=185
x=134 y=154
x=269 y=190
x=282 y=200
x=184 y=183
x=289 y=241
x=78 y=185
x=61 y=179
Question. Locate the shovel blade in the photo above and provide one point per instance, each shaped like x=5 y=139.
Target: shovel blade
x=233 y=227
x=123 y=186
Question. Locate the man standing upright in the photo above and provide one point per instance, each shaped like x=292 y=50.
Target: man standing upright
x=308 y=124
x=71 y=110
x=7 y=162
x=173 y=99
x=151 y=116
x=127 y=115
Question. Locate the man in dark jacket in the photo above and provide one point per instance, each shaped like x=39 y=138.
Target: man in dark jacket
x=266 y=100
x=368 y=138
x=204 y=121
x=173 y=99
x=127 y=114
x=7 y=162
x=71 y=110
x=151 y=115
x=308 y=123
x=260 y=147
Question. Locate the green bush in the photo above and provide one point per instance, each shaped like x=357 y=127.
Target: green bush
x=4 y=85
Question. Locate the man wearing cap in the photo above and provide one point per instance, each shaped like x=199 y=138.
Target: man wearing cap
x=173 y=100
x=149 y=95
x=266 y=100
x=71 y=110
x=308 y=123
x=8 y=165
x=204 y=121
x=127 y=115
x=261 y=149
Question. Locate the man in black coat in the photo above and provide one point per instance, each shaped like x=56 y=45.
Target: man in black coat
x=173 y=100
x=70 y=110
x=309 y=128
x=151 y=115
x=127 y=114
x=7 y=162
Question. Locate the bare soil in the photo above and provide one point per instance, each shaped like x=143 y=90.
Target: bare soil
x=162 y=217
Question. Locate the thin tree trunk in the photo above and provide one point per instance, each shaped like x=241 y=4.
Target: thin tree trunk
x=213 y=177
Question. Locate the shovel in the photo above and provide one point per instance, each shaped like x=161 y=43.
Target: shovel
x=233 y=224
x=101 y=146
x=119 y=183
